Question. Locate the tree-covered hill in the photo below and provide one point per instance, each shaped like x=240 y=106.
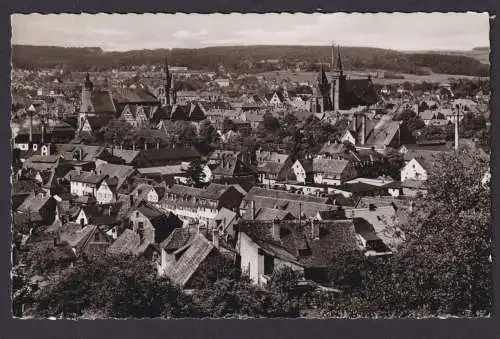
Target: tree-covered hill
x=246 y=59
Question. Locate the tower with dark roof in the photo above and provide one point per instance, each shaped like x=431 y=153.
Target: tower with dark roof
x=168 y=96
x=337 y=80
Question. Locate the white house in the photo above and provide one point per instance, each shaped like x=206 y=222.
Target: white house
x=415 y=169
x=302 y=170
x=105 y=194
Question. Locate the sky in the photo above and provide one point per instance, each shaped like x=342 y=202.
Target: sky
x=121 y=32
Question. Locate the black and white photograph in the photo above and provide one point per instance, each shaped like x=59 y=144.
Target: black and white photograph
x=210 y=166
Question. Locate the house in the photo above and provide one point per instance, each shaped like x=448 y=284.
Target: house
x=131 y=243
x=200 y=205
x=372 y=133
x=303 y=170
x=331 y=171
x=416 y=169
x=117 y=175
x=383 y=219
x=299 y=205
x=137 y=115
x=224 y=222
x=86 y=183
x=307 y=247
x=163 y=157
x=233 y=170
x=182 y=265
x=89 y=239
x=152 y=224
x=39 y=208
x=99 y=215
x=273 y=167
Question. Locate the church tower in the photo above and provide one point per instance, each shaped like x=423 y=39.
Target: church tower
x=86 y=100
x=168 y=97
x=337 y=79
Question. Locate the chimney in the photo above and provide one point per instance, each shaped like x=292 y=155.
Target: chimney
x=363 y=129
x=157 y=144
x=276 y=230
x=43 y=132
x=314 y=230
x=457 y=115
x=215 y=238
x=145 y=146
x=252 y=209
x=133 y=147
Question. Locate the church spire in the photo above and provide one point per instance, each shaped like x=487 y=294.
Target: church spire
x=339 y=60
x=333 y=59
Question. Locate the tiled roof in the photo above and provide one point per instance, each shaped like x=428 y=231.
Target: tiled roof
x=122 y=172
x=329 y=166
x=33 y=203
x=297 y=243
x=102 y=102
x=89 y=177
x=181 y=270
x=128 y=95
x=177 y=239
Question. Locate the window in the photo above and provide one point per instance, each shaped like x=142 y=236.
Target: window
x=137 y=214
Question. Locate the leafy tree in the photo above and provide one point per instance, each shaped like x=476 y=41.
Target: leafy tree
x=115 y=131
x=208 y=133
x=114 y=286
x=195 y=173
x=445 y=268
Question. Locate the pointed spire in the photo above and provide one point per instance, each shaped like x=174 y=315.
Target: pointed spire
x=333 y=59
x=87 y=82
x=339 y=59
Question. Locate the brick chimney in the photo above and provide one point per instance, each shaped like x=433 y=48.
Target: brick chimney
x=276 y=228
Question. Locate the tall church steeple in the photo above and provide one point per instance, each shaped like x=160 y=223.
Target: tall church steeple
x=337 y=79
x=169 y=96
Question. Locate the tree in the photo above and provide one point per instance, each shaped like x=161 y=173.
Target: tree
x=395 y=161
x=113 y=286
x=445 y=268
x=115 y=131
x=195 y=173
x=208 y=133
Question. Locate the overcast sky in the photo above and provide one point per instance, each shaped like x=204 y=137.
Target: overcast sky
x=119 y=32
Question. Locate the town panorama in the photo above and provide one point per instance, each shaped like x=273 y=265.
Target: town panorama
x=253 y=181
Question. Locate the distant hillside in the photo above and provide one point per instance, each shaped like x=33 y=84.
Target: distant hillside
x=247 y=59
x=482 y=54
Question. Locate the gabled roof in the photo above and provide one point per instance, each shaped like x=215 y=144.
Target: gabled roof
x=296 y=241
x=128 y=242
x=89 y=177
x=181 y=270
x=329 y=166
x=102 y=102
x=177 y=239
x=121 y=172
x=34 y=203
